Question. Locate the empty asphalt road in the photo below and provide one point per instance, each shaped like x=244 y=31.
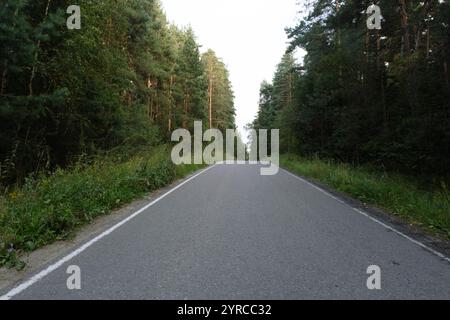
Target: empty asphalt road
x=230 y=233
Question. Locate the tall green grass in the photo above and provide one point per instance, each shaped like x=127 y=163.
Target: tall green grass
x=394 y=193
x=50 y=208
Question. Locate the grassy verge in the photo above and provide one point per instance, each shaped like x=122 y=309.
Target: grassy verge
x=50 y=208
x=393 y=193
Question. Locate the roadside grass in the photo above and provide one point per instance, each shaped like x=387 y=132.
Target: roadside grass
x=52 y=207
x=394 y=193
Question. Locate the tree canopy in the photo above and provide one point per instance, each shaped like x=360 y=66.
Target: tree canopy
x=366 y=96
x=127 y=77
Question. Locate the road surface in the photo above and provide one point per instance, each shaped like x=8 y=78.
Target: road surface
x=230 y=233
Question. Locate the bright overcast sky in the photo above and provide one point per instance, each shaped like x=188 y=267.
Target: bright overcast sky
x=247 y=34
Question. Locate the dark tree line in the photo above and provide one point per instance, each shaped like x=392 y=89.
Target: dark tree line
x=366 y=96
x=126 y=78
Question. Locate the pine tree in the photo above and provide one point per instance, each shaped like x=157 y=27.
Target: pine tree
x=221 y=110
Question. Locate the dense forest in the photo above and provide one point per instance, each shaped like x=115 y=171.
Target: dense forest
x=126 y=78
x=129 y=78
x=379 y=97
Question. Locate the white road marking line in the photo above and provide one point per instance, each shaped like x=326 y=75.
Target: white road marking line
x=15 y=291
x=420 y=244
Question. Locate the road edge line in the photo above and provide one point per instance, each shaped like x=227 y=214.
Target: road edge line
x=42 y=274
x=367 y=215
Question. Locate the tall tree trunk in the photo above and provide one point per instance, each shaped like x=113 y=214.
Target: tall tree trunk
x=381 y=70
x=5 y=65
x=378 y=39
x=446 y=74
x=210 y=97
x=129 y=99
x=36 y=54
x=338 y=9
x=170 y=104
x=339 y=38
x=109 y=27
x=405 y=26
x=383 y=99
x=149 y=99
x=186 y=110
x=156 y=102
x=367 y=46
x=4 y=74
x=422 y=24
x=418 y=37
x=151 y=108
x=290 y=89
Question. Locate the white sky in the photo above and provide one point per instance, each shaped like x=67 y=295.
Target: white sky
x=247 y=34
